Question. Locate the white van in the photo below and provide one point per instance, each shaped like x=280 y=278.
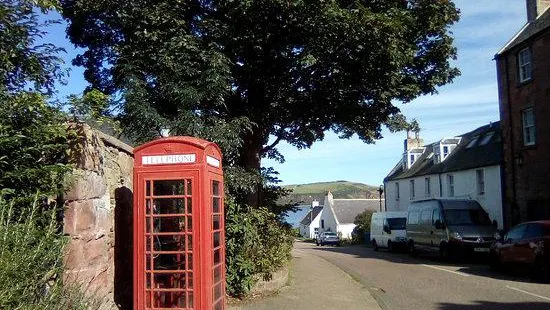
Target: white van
x=388 y=230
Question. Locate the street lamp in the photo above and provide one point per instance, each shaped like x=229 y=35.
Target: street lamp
x=380 y=191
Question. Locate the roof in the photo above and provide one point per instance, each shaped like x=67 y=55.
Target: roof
x=479 y=154
x=529 y=30
x=311 y=215
x=346 y=210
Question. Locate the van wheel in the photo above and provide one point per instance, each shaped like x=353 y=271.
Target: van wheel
x=390 y=246
x=412 y=250
x=494 y=262
x=444 y=251
x=374 y=245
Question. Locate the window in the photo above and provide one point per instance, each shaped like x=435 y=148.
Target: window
x=525 y=65
x=516 y=233
x=412 y=159
x=445 y=151
x=436 y=216
x=472 y=143
x=486 y=138
x=427 y=189
x=480 y=181
x=451 y=184
x=414 y=217
x=323 y=224
x=411 y=188
x=528 y=120
x=426 y=216
x=533 y=230
x=396 y=190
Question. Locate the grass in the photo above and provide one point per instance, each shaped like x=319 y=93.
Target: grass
x=339 y=189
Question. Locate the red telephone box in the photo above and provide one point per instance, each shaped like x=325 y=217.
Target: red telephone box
x=179 y=241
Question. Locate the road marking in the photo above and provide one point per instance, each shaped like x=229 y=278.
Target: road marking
x=528 y=293
x=443 y=269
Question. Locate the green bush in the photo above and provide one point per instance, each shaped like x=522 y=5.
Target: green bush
x=256 y=245
x=362 y=220
x=31 y=262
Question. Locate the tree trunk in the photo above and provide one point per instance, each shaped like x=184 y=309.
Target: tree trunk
x=250 y=159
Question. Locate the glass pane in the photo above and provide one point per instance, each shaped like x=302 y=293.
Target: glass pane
x=148 y=243
x=170 y=261
x=169 y=224
x=148 y=262
x=189 y=205
x=216 y=256
x=216 y=205
x=218 y=305
x=189 y=188
x=217 y=291
x=217 y=274
x=190 y=300
x=169 y=243
x=189 y=224
x=148 y=206
x=190 y=280
x=148 y=299
x=189 y=261
x=148 y=280
x=168 y=187
x=215 y=188
x=170 y=280
x=147 y=224
x=168 y=206
x=167 y=299
x=216 y=239
x=189 y=242
x=148 y=188
x=216 y=222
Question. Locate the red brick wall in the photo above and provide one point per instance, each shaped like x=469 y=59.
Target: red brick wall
x=526 y=168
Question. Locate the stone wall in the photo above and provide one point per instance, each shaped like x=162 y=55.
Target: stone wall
x=98 y=215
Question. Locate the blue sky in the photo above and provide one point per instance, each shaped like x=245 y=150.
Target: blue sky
x=471 y=101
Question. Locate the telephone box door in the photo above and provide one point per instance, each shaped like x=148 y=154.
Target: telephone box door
x=167 y=217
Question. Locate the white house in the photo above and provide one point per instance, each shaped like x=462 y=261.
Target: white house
x=467 y=166
x=309 y=225
x=338 y=215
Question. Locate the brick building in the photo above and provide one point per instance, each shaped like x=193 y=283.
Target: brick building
x=523 y=69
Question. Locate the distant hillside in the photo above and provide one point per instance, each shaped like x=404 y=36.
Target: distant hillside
x=306 y=193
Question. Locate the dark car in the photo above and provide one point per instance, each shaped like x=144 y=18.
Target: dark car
x=328 y=237
x=526 y=244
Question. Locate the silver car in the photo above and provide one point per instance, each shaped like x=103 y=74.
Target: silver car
x=327 y=237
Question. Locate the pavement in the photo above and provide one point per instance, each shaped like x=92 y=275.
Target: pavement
x=314 y=283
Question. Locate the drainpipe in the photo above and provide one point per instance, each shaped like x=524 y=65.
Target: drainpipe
x=512 y=146
x=440 y=186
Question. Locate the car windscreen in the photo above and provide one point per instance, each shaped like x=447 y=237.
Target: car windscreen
x=330 y=234
x=397 y=223
x=467 y=217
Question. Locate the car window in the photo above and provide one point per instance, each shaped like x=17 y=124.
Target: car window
x=533 y=230
x=426 y=216
x=516 y=233
x=436 y=216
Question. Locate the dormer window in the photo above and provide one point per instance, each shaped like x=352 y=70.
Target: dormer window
x=472 y=143
x=445 y=151
x=412 y=160
x=486 y=138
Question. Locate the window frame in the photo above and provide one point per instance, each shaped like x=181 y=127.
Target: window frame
x=397 y=190
x=411 y=189
x=427 y=187
x=525 y=66
x=525 y=128
x=480 y=182
x=451 y=185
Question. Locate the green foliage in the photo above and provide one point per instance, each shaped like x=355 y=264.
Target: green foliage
x=23 y=62
x=271 y=69
x=362 y=220
x=31 y=255
x=256 y=245
x=33 y=145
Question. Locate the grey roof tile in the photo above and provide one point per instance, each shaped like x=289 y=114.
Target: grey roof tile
x=308 y=217
x=347 y=209
x=529 y=30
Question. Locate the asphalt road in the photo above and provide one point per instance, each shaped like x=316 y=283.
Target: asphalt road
x=399 y=281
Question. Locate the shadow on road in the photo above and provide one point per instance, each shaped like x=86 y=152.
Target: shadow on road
x=469 y=265
x=489 y=305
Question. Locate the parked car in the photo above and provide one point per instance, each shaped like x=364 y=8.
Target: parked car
x=526 y=244
x=450 y=226
x=328 y=237
x=387 y=230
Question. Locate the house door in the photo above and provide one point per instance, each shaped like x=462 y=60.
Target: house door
x=168 y=226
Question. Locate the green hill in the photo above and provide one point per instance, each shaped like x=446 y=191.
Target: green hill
x=306 y=193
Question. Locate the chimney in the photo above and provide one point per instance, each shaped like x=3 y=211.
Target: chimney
x=413 y=143
x=535 y=8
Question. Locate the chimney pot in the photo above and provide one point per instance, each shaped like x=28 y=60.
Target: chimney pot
x=535 y=8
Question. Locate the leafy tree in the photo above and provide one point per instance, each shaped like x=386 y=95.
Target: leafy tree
x=362 y=220
x=33 y=139
x=249 y=74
